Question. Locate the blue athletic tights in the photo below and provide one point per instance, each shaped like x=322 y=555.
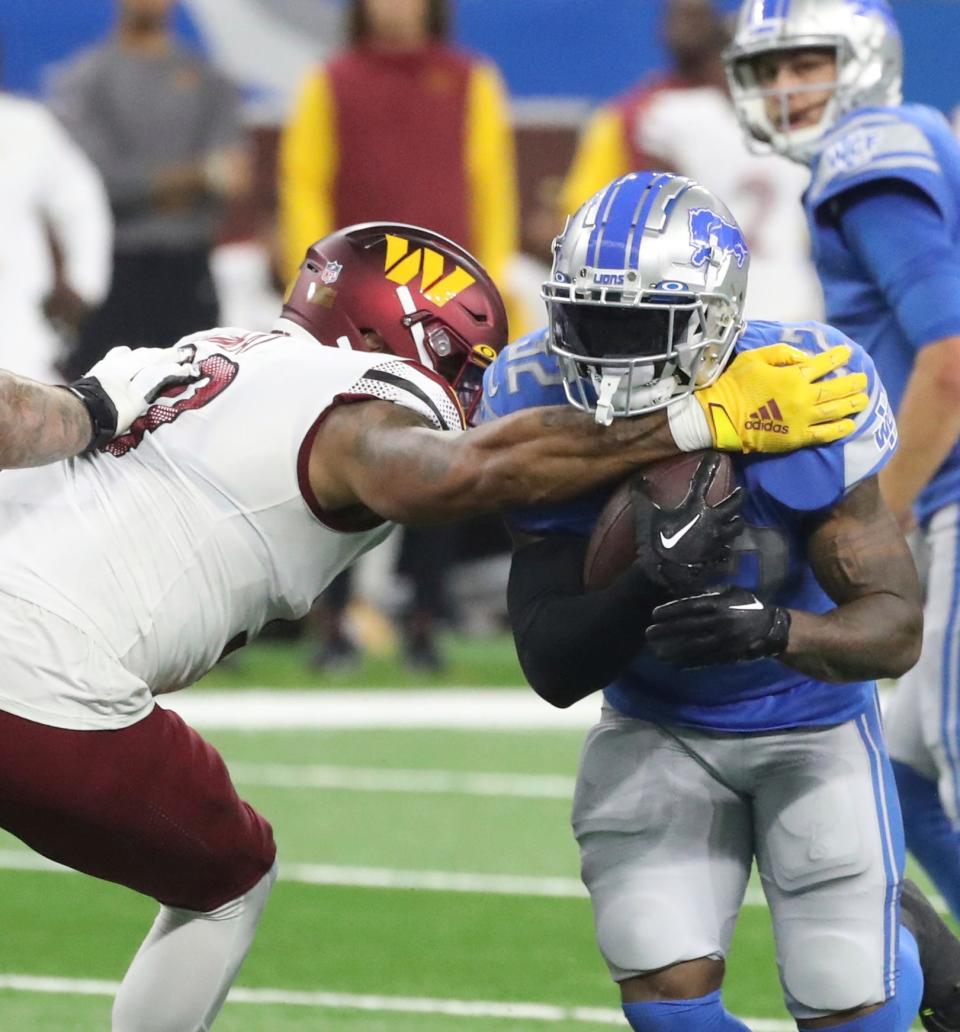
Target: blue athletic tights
x=707 y=1013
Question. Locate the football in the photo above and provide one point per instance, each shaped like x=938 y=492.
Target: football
x=613 y=544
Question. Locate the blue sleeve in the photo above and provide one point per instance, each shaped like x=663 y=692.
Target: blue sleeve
x=814 y=479
x=879 y=145
x=902 y=241
x=525 y=375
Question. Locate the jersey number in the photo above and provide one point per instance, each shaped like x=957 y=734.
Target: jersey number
x=217 y=372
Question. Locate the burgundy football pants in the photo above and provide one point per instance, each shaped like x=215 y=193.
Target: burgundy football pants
x=150 y=806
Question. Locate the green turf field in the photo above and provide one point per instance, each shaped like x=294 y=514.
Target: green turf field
x=471 y=662
x=369 y=929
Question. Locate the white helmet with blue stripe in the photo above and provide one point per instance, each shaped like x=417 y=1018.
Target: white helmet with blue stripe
x=646 y=294
x=865 y=40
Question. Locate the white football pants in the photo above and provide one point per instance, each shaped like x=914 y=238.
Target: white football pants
x=181 y=974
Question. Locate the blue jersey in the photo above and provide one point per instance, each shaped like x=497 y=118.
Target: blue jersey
x=782 y=491
x=912 y=147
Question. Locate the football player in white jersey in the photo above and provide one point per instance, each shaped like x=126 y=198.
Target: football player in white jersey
x=233 y=500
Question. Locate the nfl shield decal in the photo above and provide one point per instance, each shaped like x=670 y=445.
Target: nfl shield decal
x=330 y=273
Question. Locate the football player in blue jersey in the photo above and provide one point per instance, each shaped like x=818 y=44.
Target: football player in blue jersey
x=738 y=653
x=820 y=81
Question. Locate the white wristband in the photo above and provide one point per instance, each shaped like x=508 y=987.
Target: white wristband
x=688 y=424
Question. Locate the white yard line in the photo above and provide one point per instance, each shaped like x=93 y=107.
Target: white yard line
x=454 y=708
x=434 y=881
x=368 y=878
x=472 y=709
x=336 y=875
x=544 y=1012
x=382 y=779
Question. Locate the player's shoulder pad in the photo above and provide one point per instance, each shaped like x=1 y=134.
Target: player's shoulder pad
x=812 y=337
x=814 y=479
x=873 y=144
x=223 y=334
x=351 y=374
x=524 y=375
x=411 y=385
x=386 y=378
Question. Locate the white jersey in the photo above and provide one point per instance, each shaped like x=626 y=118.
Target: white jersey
x=189 y=533
x=695 y=131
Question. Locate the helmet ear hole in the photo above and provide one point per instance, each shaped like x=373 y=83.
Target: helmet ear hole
x=480 y=317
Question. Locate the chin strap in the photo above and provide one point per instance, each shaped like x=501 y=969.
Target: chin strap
x=640 y=399
x=608 y=388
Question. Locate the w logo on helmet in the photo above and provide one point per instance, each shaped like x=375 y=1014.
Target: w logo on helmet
x=711 y=235
x=403 y=265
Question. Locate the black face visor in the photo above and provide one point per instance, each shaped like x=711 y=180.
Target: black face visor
x=608 y=331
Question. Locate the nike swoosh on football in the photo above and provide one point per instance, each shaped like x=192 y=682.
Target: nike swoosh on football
x=668 y=541
x=755 y=604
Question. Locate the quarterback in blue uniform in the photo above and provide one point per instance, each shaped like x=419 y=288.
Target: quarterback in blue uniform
x=737 y=655
x=820 y=81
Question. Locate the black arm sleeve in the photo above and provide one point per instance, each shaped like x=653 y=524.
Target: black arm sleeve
x=572 y=643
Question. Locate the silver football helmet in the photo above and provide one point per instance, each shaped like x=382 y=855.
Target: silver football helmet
x=646 y=294
x=869 y=59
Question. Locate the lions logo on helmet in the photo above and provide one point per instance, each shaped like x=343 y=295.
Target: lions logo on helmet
x=645 y=295
x=709 y=232
x=862 y=36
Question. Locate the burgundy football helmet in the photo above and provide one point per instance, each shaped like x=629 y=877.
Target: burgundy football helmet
x=406 y=290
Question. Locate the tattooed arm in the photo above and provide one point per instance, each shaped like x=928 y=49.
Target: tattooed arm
x=385 y=458
x=390 y=463
x=39 y=423
x=861 y=560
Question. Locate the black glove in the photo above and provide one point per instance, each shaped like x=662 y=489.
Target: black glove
x=681 y=549
x=727 y=626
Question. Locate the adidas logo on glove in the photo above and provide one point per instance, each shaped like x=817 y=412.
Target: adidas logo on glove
x=768 y=418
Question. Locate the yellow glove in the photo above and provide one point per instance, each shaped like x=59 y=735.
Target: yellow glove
x=775 y=399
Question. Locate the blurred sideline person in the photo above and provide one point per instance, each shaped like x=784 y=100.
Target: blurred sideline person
x=737 y=655
x=823 y=86
x=164 y=129
x=683 y=121
x=402 y=124
x=47 y=187
x=233 y=500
